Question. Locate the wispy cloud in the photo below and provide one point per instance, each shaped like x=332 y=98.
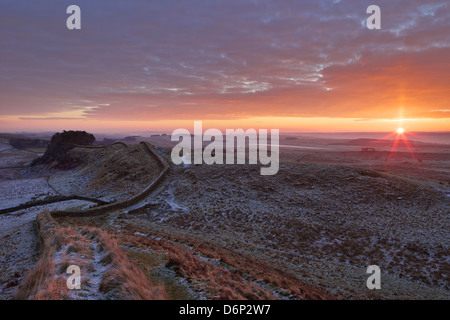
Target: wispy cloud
x=48 y=118
x=228 y=59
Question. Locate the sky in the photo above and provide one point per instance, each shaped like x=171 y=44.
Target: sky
x=159 y=65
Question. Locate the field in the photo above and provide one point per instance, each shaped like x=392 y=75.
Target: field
x=225 y=231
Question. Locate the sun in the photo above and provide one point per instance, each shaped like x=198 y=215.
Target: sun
x=400 y=130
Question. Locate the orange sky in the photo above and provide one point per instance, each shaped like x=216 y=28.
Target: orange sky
x=286 y=124
x=299 y=66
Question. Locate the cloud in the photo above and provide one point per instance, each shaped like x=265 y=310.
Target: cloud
x=49 y=118
x=229 y=59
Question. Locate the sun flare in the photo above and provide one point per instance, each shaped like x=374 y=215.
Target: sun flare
x=400 y=130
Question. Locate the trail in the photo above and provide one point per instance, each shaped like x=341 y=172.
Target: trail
x=19 y=242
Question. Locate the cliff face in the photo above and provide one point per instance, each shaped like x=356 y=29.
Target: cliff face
x=57 y=153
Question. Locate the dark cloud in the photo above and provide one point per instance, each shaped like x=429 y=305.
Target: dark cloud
x=224 y=59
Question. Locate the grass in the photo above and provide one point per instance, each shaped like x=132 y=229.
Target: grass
x=150 y=264
x=215 y=279
x=64 y=246
x=124 y=277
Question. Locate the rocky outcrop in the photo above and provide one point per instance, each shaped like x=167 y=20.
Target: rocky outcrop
x=57 y=153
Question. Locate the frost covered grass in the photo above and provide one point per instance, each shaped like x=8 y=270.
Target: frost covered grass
x=213 y=272
x=323 y=223
x=16 y=158
x=16 y=192
x=106 y=272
